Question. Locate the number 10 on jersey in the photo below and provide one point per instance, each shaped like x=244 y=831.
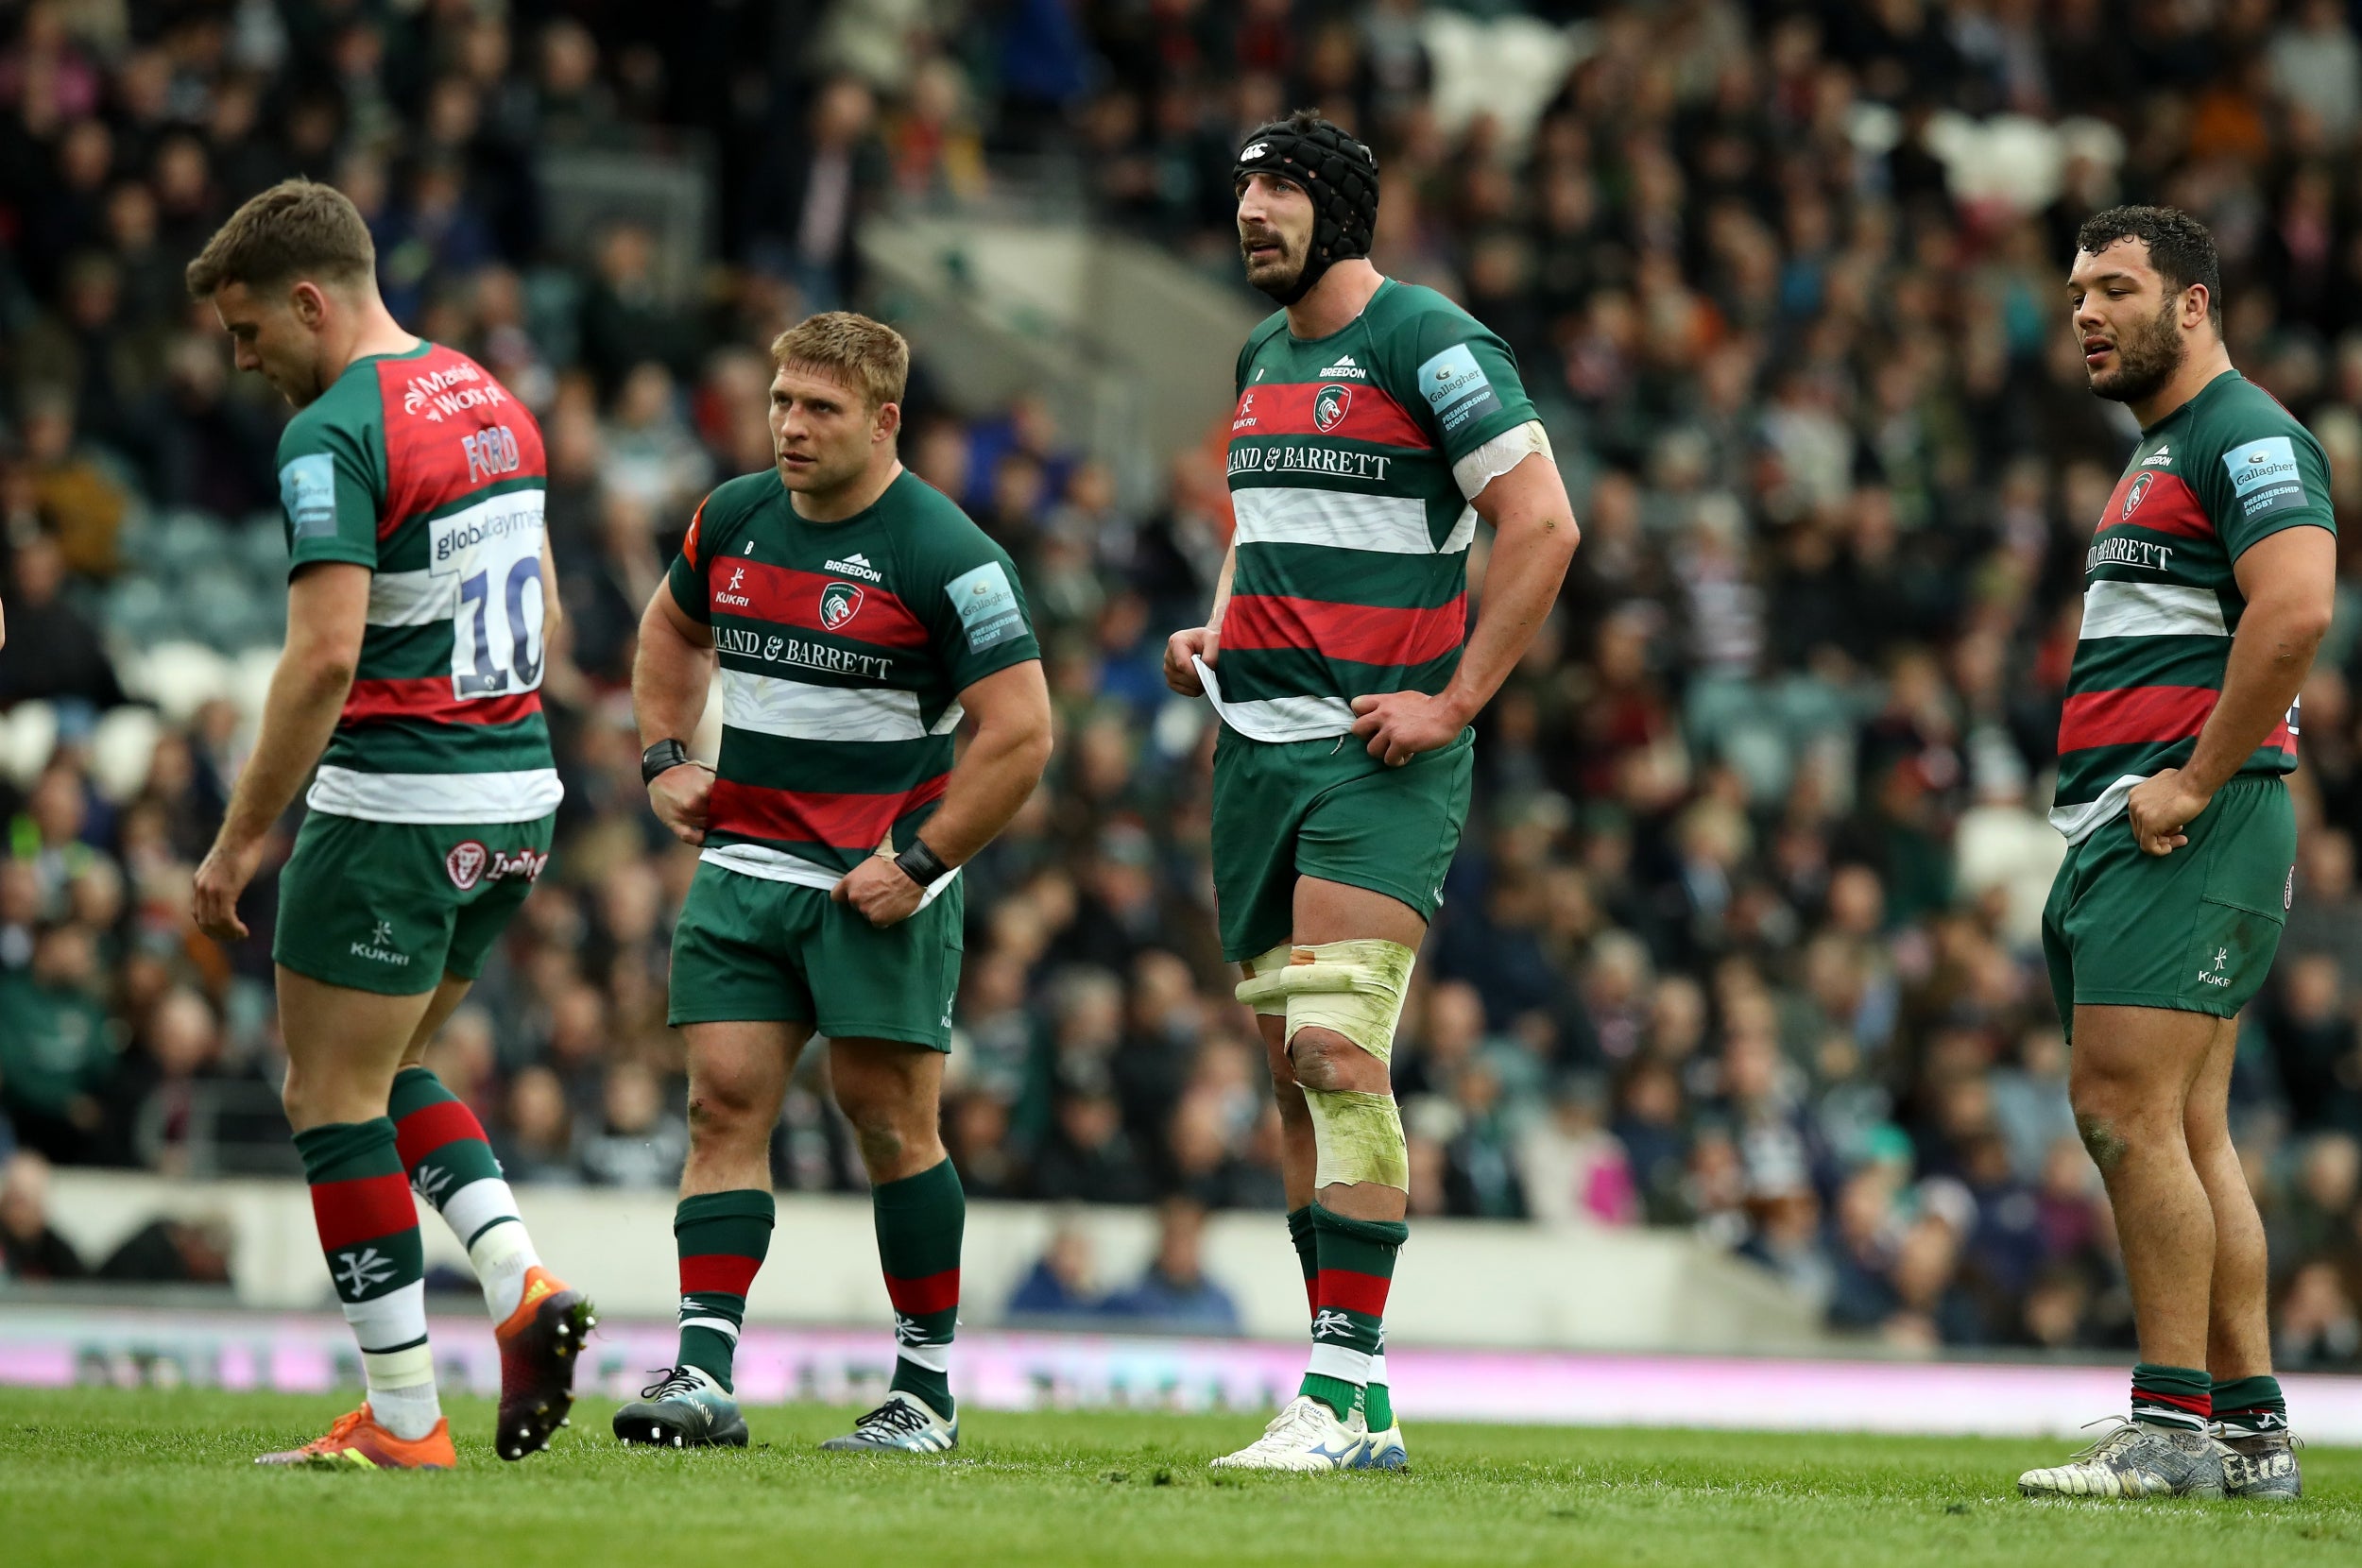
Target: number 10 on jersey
x=491 y=554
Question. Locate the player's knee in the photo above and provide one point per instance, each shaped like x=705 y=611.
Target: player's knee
x=722 y=1110
x=1326 y=1061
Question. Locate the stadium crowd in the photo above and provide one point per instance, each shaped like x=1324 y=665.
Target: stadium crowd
x=1744 y=938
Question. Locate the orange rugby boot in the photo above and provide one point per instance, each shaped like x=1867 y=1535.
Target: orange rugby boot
x=358 y=1442
x=540 y=1344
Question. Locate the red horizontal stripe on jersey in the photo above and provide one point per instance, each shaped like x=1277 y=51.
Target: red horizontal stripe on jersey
x=2137 y=715
x=429 y=698
x=1366 y=634
x=803 y=816
x=723 y=1274
x=2166 y=505
x=361 y=1209
x=786 y=597
x=1354 y=1292
x=430 y=1127
x=1364 y=412
x=916 y=1298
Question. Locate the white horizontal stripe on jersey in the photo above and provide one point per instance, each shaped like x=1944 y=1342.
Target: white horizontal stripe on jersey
x=1277 y=719
x=778 y=865
x=526 y=794
x=801 y=710
x=2150 y=609
x=2080 y=822
x=412 y=598
x=1392 y=525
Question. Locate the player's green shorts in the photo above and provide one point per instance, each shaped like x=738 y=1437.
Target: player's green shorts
x=1290 y=808
x=746 y=947
x=393 y=907
x=2194 y=931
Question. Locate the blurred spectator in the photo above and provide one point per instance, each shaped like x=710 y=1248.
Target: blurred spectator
x=54 y=1052
x=31 y=1247
x=1062 y=1283
x=1175 y=1292
x=1089 y=1158
x=52 y=650
x=637 y=1142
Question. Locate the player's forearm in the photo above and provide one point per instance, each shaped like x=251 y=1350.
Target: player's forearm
x=670 y=677
x=1528 y=562
x=1001 y=767
x=2270 y=656
x=1222 y=588
x=299 y=717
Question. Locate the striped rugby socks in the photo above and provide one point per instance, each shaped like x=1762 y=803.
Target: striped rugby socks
x=452 y=1166
x=1357 y=1266
x=722 y=1237
x=368 y=1233
x=920 y=1222
x=2172 y=1396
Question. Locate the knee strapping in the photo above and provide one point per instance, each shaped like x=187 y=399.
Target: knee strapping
x=1354 y=989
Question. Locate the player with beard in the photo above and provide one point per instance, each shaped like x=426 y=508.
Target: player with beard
x=2208 y=586
x=1376 y=423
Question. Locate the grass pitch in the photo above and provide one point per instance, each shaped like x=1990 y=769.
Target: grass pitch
x=97 y=1478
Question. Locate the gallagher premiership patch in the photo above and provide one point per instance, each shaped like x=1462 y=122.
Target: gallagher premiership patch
x=1454 y=387
x=2263 y=476
x=987 y=606
x=307 y=488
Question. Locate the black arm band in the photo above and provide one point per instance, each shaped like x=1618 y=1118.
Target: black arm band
x=921 y=865
x=661 y=757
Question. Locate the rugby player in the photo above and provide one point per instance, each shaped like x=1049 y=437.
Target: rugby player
x=2208 y=586
x=1376 y=423
x=417 y=612
x=856 y=614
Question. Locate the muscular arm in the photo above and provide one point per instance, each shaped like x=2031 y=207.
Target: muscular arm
x=671 y=676
x=1001 y=766
x=327 y=606
x=2290 y=581
x=1534 y=537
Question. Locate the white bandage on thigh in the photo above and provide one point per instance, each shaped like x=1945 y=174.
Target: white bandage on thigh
x=1354 y=989
x=1275 y=1005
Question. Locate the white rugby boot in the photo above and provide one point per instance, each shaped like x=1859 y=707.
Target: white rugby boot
x=1306 y=1435
x=2135 y=1460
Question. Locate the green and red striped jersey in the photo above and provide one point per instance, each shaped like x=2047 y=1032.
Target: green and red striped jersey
x=423 y=469
x=1353 y=530
x=2160 y=602
x=843 y=649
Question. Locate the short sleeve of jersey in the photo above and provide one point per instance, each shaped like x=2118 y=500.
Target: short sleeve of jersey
x=688 y=573
x=1464 y=384
x=328 y=489
x=973 y=606
x=2269 y=475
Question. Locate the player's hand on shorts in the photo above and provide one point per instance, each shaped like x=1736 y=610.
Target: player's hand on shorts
x=882 y=891
x=1401 y=724
x=1203 y=643
x=222 y=876
x=679 y=796
x=2159 y=808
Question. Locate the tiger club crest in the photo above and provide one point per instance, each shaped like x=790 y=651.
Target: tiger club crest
x=839 y=603
x=1328 y=407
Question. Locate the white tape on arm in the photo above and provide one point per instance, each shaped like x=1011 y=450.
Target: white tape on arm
x=1499 y=455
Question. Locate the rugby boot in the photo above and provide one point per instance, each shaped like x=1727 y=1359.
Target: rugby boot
x=684 y=1408
x=1382 y=1451
x=2135 y=1460
x=2262 y=1467
x=356 y=1441
x=540 y=1344
x=905 y=1424
x=1306 y=1435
